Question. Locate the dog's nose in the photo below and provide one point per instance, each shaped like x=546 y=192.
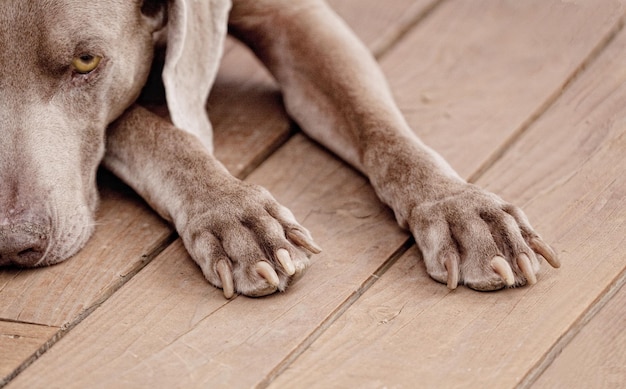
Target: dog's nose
x=22 y=244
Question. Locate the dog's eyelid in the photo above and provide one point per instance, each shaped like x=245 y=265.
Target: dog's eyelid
x=88 y=47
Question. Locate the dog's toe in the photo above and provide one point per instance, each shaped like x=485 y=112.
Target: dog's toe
x=477 y=239
x=251 y=245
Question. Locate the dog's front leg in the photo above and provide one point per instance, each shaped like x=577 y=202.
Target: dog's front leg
x=242 y=239
x=334 y=89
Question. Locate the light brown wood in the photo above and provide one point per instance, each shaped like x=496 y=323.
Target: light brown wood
x=482 y=72
x=127 y=233
x=568 y=172
x=18 y=342
x=380 y=23
x=246 y=111
x=249 y=122
x=168 y=327
x=472 y=74
x=596 y=358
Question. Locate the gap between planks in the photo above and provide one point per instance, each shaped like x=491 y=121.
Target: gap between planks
x=336 y=314
x=66 y=328
x=405 y=25
x=379 y=51
x=390 y=261
x=543 y=108
x=553 y=352
x=592 y=311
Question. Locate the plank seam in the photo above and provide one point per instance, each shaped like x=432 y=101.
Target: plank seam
x=4 y=320
x=67 y=327
x=591 y=58
x=405 y=25
x=594 y=308
x=336 y=314
x=269 y=151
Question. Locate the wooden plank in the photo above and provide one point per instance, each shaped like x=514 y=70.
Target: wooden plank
x=471 y=75
x=127 y=233
x=427 y=98
x=168 y=327
x=380 y=23
x=249 y=122
x=567 y=171
x=596 y=358
x=18 y=342
x=246 y=110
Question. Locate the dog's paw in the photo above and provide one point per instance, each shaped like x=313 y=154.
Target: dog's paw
x=474 y=238
x=245 y=242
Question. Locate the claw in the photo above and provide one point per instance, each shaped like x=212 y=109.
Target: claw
x=266 y=271
x=541 y=248
x=452 y=267
x=285 y=260
x=527 y=269
x=226 y=276
x=501 y=266
x=299 y=238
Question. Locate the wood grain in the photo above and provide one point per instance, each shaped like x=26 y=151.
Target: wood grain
x=596 y=358
x=567 y=171
x=250 y=123
x=168 y=327
x=246 y=110
x=381 y=23
x=471 y=75
x=18 y=341
x=126 y=234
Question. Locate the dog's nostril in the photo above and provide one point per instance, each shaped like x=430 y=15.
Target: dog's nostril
x=22 y=244
x=27 y=253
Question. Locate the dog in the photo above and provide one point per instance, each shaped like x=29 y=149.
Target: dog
x=71 y=73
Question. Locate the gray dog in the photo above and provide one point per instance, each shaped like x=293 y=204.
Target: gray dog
x=70 y=75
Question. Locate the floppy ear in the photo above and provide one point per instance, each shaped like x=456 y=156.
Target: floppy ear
x=195 y=37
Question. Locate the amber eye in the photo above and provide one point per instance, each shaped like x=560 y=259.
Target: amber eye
x=86 y=63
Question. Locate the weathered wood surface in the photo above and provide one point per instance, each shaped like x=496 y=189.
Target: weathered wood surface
x=380 y=24
x=250 y=123
x=470 y=99
x=474 y=73
x=236 y=343
x=18 y=342
x=596 y=358
x=127 y=233
x=567 y=171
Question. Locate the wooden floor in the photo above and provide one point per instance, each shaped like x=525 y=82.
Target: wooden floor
x=526 y=98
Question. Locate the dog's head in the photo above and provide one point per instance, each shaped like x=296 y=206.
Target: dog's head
x=68 y=68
